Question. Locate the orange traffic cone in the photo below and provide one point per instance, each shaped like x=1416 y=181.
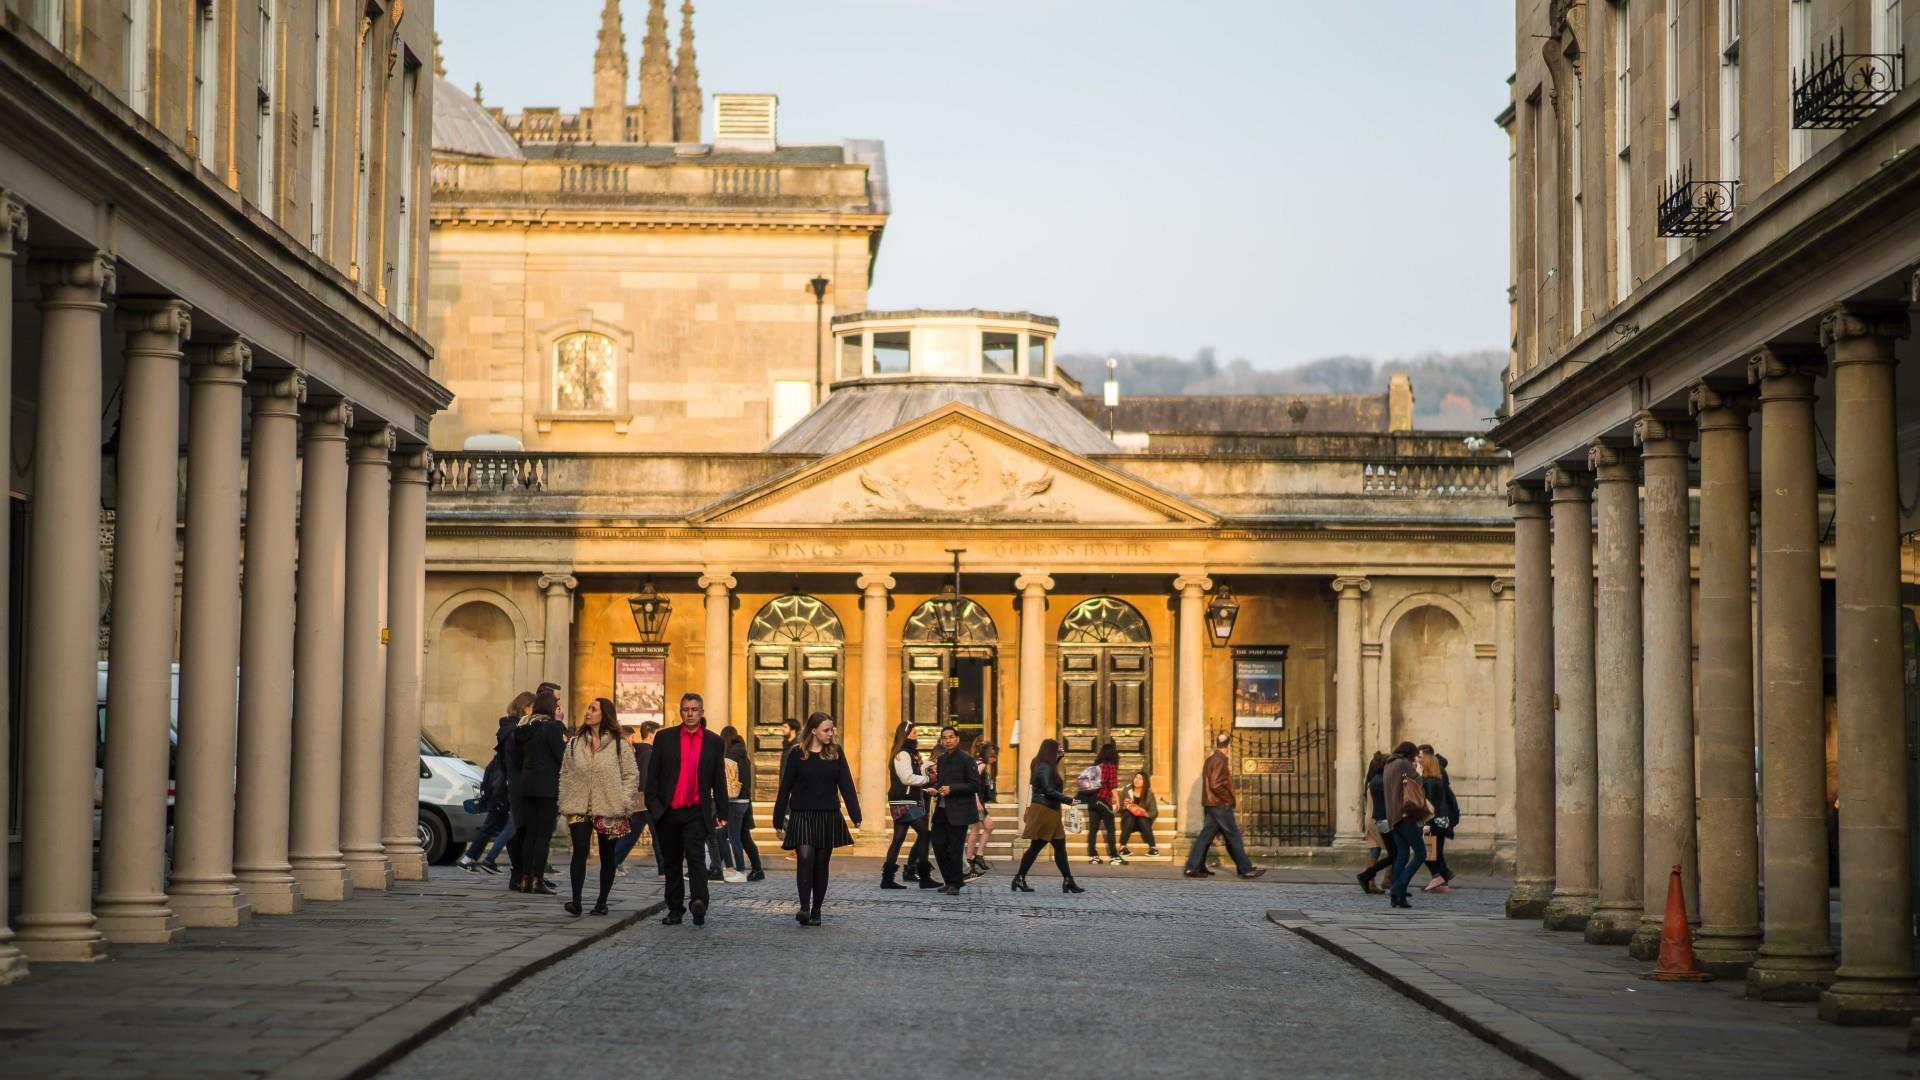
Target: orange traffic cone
x=1676 y=940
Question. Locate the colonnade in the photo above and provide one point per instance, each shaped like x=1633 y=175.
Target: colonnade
x=1612 y=729
x=298 y=702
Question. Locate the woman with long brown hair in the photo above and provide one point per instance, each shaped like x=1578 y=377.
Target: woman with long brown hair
x=598 y=780
x=907 y=807
x=981 y=833
x=813 y=781
x=1042 y=826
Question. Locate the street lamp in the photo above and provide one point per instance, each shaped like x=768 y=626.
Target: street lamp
x=650 y=612
x=950 y=625
x=1222 y=610
x=818 y=286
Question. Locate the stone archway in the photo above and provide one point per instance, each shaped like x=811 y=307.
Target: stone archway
x=796 y=659
x=1105 y=686
x=476 y=659
x=928 y=661
x=1430 y=668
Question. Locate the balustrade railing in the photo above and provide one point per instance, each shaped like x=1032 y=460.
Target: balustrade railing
x=469 y=470
x=1466 y=479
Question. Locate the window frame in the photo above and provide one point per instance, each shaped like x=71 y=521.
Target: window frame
x=1623 y=149
x=546 y=352
x=266 y=136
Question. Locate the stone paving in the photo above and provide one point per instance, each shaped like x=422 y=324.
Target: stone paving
x=330 y=992
x=1148 y=974
x=1580 y=1010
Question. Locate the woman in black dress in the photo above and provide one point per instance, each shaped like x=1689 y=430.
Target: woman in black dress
x=1042 y=827
x=813 y=780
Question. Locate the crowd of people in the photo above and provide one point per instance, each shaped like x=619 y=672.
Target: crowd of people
x=691 y=793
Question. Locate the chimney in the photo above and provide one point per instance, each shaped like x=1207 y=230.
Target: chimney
x=746 y=122
x=1399 y=402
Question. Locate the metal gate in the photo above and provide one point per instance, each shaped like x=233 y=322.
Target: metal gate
x=1283 y=781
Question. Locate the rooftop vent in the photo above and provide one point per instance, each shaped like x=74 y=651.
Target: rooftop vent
x=746 y=121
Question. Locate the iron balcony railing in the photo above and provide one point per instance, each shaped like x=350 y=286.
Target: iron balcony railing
x=1690 y=207
x=1837 y=89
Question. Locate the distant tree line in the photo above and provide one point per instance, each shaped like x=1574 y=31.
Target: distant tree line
x=1452 y=391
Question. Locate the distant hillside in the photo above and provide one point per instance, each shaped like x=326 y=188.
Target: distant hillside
x=1452 y=391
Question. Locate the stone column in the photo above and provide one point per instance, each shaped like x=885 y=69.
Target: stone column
x=558 y=589
x=718 y=684
x=132 y=905
x=363 y=711
x=1617 y=701
x=1667 y=643
x=13 y=232
x=406 y=623
x=1503 y=769
x=1533 y=837
x=1796 y=952
x=1575 y=737
x=876 y=730
x=1347 y=770
x=1034 y=727
x=314 y=837
x=1190 y=708
x=260 y=816
x=203 y=887
x=63 y=619
x=1729 y=936
x=1875 y=982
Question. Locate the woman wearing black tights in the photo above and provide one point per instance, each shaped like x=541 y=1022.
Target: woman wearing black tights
x=1376 y=823
x=813 y=780
x=1042 y=827
x=597 y=781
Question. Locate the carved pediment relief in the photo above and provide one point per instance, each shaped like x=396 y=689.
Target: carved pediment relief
x=955 y=486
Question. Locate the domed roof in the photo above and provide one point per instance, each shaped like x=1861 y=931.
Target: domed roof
x=857 y=411
x=462 y=125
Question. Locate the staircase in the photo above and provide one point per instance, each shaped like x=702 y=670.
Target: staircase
x=1004 y=847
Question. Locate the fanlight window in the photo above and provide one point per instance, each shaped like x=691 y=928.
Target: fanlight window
x=796 y=620
x=976 y=626
x=1104 y=620
x=583 y=373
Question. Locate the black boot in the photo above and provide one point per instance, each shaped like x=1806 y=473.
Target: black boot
x=886 y=877
x=1020 y=883
x=927 y=880
x=1067 y=886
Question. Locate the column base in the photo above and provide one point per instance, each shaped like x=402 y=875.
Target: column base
x=1801 y=974
x=13 y=965
x=1727 y=953
x=408 y=865
x=1528 y=898
x=1612 y=925
x=373 y=874
x=276 y=895
x=1858 y=1001
x=143 y=920
x=1568 y=911
x=216 y=907
x=329 y=883
x=59 y=939
x=1646 y=940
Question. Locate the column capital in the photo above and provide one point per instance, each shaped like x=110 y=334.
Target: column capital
x=370 y=444
x=1192 y=584
x=73 y=278
x=13 y=225
x=1614 y=461
x=1720 y=404
x=1847 y=321
x=327 y=418
x=1785 y=371
x=1528 y=498
x=220 y=361
x=875 y=583
x=558 y=584
x=412 y=465
x=1566 y=483
x=1352 y=586
x=1502 y=589
x=1034 y=583
x=161 y=315
x=1663 y=433
x=718 y=582
x=279 y=392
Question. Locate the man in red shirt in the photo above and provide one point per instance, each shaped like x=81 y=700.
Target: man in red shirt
x=687 y=799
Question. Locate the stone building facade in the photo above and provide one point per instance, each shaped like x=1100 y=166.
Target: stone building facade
x=1714 y=259
x=232 y=197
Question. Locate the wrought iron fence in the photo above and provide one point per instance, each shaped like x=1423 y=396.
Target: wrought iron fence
x=1690 y=207
x=1837 y=89
x=1283 y=781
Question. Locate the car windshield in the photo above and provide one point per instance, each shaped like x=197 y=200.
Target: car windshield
x=431 y=748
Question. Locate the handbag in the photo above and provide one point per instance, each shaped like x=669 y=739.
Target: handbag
x=1136 y=810
x=1073 y=819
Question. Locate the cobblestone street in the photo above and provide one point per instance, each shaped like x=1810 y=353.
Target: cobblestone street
x=1146 y=974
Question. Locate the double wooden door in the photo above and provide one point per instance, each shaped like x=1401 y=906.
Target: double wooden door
x=1106 y=692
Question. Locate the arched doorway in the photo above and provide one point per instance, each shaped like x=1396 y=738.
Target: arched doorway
x=1106 y=683
x=1430 y=664
x=795 y=649
x=472 y=678
x=944 y=679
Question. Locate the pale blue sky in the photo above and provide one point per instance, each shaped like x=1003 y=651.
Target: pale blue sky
x=1280 y=179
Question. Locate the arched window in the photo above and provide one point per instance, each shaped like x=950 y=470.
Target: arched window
x=584 y=367
x=1104 y=620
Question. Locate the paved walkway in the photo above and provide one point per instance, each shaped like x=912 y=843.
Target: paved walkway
x=1583 y=1011
x=331 y=992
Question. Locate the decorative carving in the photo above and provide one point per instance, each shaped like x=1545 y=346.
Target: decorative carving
x=976 y=626
x=92 y=271
x=1352 y=588
x=221 y=361
x=1848 y=321
x=718 y=579
x=1502 y=588
x=1527 y=497
x=558 y=584
x=796 y=619
x=956 y=469
x=1719 y=403
x=335 y=414
x=875 y=583
x=1104 y=620
x=13 y=225
x=1662 y=434
x=1564 y=482
x=1772 y=363
x=1194 y=583
x=163 y=315
x=957 y=481
x=1034 y=583
x=1614 y=461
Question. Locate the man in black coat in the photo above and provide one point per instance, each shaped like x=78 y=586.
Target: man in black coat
x=686 y=797
x=957 y=781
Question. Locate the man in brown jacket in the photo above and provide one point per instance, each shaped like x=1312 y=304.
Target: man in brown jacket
x=1216 y=792
x=1410 y=849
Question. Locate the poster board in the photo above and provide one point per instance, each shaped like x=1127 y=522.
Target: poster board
x=640 y=683
x=1260 y=686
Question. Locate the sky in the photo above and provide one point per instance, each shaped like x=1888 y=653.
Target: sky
x=1280 y=179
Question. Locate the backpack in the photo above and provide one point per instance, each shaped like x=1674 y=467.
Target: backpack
x=1413 y=799
x=736 y=786
x=1089 y=780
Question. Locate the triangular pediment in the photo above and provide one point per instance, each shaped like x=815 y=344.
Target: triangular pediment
x=955 y=465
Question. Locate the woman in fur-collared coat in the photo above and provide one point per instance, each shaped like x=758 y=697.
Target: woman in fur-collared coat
x=597 y=781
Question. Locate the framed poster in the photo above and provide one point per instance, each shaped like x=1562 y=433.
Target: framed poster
x=1260 y=686
x=640 y=683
